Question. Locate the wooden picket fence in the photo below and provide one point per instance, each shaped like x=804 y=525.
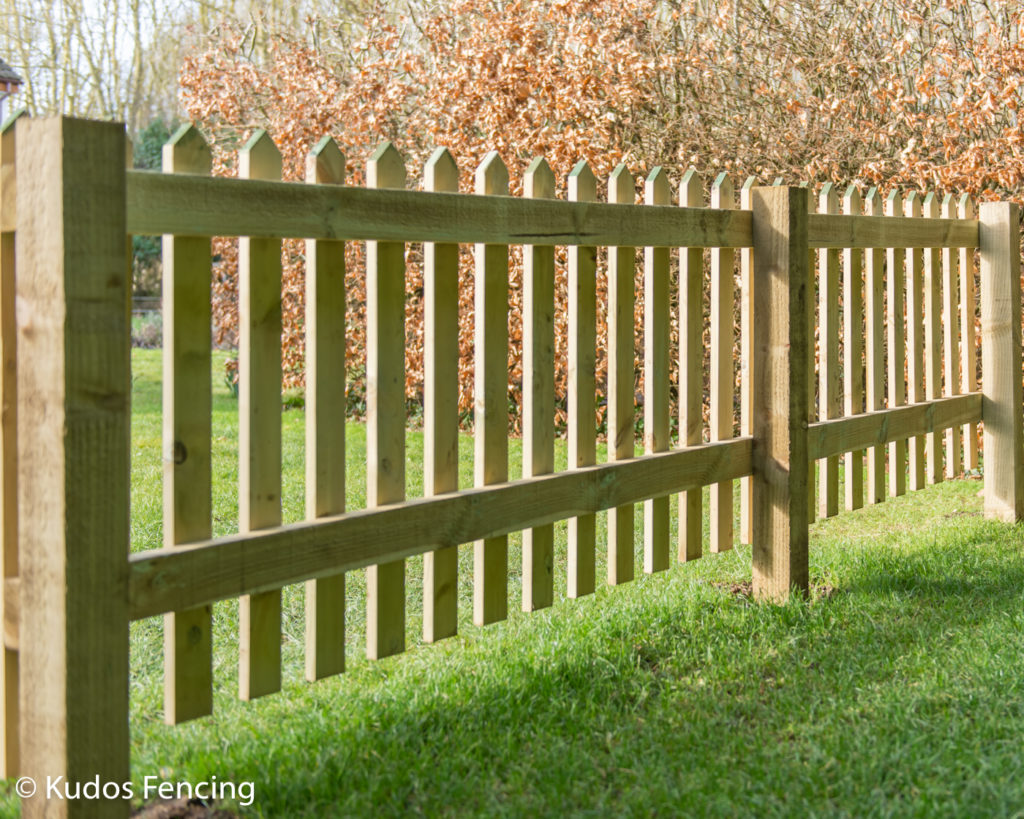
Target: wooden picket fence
x=71 y=588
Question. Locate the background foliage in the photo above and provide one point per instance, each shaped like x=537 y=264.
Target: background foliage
x=921 y=95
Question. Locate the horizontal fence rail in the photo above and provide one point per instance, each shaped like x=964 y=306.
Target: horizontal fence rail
x=832 y=297
x=183 y=577
x=187 y=205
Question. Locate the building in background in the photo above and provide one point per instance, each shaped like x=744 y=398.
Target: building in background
x=10 y=82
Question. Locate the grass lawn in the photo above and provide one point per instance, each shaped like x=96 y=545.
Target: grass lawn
x=897 y=689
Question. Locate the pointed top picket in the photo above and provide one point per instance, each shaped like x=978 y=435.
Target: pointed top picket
x=691 y=189
x=385 y=168
x=325 y=164
x=259 y=158
x=852 y=201
x=187 y=152
x=621 y=186
x=12 y=118
x=657 y=190
x=745 y=190
x=949 y=206
x=441 y=173
x=912 y=204
x=930 y=207
x=582 y=183
x=965 y=207
x=722 y=193
x=539 y=182
x=873 y=202
x=893 y=203
x=828 y=198
x=492 y=176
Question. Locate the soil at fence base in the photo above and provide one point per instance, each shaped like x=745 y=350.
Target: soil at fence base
x=182 y=809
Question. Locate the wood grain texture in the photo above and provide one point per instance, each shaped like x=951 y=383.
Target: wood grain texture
x=194 y=206
x=780 y=392
x=9 y=753
x=874 y=349
x=657 y=286
x=385 y=409
x=167 y=579
x=325 y=425
x=323 y=212
x=932 y=340
x=691 y=368
x=440 y=402
x=968 y=334
x=74 y=454
x=187 y=437
x=897 y=348
x=582 y=444
x=723 y=380
x=621 y=377
x=883 y=426
x=538 y=391
x=490 y=400
x=829 y=397
x=746 y=535
x=259 y=425
x=853 y=348
x=951 y=340
x=915 y=341
x=1001 y=388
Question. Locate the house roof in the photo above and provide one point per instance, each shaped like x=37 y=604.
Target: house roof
x=8 y=74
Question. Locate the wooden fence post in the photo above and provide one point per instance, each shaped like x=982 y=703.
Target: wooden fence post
x=9 y=763
x=74 y=405
x=782 y=298
x=1001 y=389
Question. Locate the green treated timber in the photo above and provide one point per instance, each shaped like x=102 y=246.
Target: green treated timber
x=187 y=205
x=186 y=576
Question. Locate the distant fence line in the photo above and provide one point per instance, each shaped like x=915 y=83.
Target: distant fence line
x=71 y=587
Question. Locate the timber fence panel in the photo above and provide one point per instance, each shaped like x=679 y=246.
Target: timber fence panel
x=874 y=349
x=582 y=443
x=538 y=391
x=325 y=425
x=746 y=340
x=657 y=191
x=723 y=383
x=187 y=436
x=9 y=762
x=490 y=399
x=621 y=401
x=691 y=369
x=385 y=409
x=829 y=399
x=968 y=334
x=932 y=340
x=896 y=347
x=812 y=328
x=915 y=341
x=853 y=347
x=440 y=402
x=259 y=425
x=951 y=339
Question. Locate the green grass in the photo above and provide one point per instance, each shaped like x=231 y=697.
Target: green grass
x=900 y=692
